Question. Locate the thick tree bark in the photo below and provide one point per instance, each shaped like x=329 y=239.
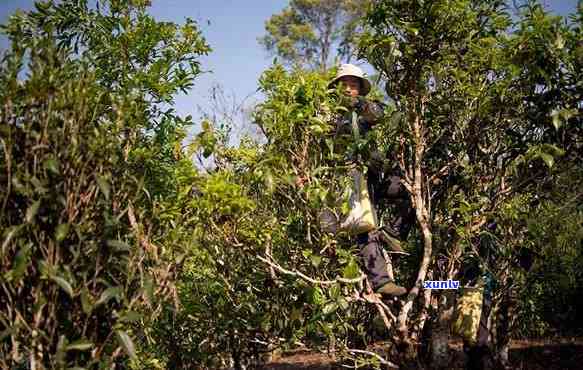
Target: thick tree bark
x=414 y=184
x=504 y=319
x=439 y=340
x=424 y=316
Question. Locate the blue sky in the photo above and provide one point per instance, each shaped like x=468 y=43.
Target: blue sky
x=231 y=27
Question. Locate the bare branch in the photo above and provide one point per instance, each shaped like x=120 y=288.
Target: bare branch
x=268 y=254
x=309 y=279
x=375 y=355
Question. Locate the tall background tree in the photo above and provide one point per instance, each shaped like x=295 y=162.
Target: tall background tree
x=313 y=33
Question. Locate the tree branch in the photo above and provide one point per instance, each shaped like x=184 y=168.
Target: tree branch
x=309 y=279
x=375 y=355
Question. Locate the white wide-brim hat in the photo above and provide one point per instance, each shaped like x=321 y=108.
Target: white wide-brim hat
x=351 y=70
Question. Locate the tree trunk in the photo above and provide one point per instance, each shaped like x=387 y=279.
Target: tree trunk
x=424 y=316
x=504 y=322
x=439 y=341
x=415 y=186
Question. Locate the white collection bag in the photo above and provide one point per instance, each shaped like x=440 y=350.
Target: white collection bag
x=362 y=216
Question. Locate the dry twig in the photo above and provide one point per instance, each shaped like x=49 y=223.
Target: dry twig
x=309 y=279
x=375 y=355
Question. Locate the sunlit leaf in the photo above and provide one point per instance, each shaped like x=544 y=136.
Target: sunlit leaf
x=104 y=186
x=548 y=159
x=64 y=284
x=32 y=211
x=61 y=232
x=80 y=345
x=351 y=270
x=130 y=316
x=119 y=245
x=108 y=294
x=86 y=301
x=126 y=342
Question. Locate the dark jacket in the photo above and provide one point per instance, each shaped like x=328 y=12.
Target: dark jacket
x=369 y=113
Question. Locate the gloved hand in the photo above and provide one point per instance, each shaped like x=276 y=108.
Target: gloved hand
x=352 y=102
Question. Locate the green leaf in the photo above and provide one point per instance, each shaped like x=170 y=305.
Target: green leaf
x=553 y=150
x=335 y=291
x=118 y=245
x=52 y=165
x=314 y=296
x=61 y=232
x=351 y=270
x=316 y=129
x=343 y=303
x=64 y=284
x=548 y=159
x=38 y=185
x=330 y=145
x=567 y=114
x=560 y=116
x=61 y=349
x=556 y=119
x=269 y=184
x=329 y=308
x=148 y=288
x=86 y=301
x=130 y=316
x=559 y=42
x=21 y=261
x=32 y=211
x=315 y=260
x=126 y=342
x=11 y=233
x=108 y=294
x=326 y=328
x=80 y=345
x=104 y=186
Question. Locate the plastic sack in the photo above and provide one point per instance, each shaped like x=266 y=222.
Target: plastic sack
x=362 y=217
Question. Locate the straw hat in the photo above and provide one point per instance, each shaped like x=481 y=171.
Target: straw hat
x=351 y=70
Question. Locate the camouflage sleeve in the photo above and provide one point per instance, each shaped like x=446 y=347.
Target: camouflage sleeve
x=371 y=111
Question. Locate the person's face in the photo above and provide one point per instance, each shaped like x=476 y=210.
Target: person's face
x=350 y=85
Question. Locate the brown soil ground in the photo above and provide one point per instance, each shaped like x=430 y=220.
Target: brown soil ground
x=537 y=354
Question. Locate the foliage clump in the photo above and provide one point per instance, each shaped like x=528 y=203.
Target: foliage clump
x=86 y=153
